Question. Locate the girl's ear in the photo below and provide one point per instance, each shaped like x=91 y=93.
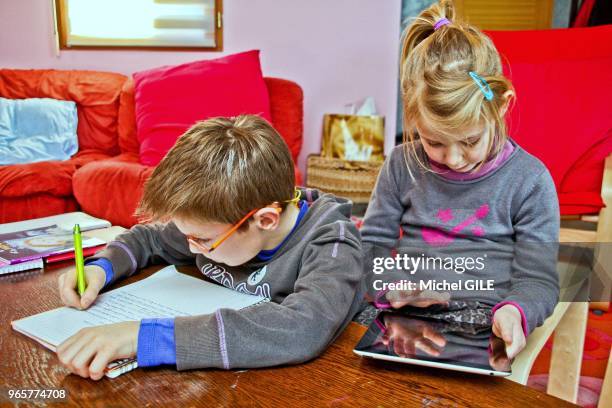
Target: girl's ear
x=267 y=218
x=506 y=96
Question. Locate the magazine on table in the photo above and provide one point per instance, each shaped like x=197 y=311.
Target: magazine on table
x=28 y=245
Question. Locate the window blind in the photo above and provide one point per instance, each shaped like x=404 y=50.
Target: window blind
x=139 y=23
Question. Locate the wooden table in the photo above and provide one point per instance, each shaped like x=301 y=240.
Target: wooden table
x=337 y=378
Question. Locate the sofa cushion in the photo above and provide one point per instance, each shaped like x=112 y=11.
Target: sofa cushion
x=49 y=177
x=286 y=109
x=111 y=189
x=126 y=120
x=34 y=206
x=95 y=93
x=562 y=115
x=37 y=129
x=169 y=100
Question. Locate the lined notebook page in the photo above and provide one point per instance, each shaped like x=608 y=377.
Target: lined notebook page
x=167 y=293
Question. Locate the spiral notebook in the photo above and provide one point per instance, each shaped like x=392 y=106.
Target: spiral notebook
x=167 y=293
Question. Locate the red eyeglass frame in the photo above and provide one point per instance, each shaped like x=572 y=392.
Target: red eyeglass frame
x=203 y=247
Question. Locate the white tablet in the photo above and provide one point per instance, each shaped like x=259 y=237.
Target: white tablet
x=454 y=346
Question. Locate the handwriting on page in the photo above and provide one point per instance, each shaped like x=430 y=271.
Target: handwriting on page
x=166 y=293
x=122 y=306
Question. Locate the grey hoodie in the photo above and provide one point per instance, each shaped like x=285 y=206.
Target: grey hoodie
x=313 y=282
x=508 y=219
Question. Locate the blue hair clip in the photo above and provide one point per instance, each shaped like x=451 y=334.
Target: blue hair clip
x=483 y=85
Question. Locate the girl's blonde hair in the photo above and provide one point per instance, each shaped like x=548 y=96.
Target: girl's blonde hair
x=436 y=85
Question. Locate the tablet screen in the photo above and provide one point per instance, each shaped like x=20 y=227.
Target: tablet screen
x=458 y=344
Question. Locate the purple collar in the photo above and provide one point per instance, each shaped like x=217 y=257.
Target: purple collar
x=486 y=168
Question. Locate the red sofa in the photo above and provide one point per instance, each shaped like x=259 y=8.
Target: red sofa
x=104 y=178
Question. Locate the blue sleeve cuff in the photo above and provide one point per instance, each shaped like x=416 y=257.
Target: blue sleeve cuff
x=156 y=342
x=107 y=266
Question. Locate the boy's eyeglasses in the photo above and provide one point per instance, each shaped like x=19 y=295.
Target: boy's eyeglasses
x=203 y=246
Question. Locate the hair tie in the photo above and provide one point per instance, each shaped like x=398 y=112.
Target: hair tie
x=483 y=85
x=441 y=22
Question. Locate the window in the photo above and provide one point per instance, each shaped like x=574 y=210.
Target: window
x=141 y=24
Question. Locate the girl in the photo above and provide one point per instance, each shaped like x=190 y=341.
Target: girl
x=459 y=181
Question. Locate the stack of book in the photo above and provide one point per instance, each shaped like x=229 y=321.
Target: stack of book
x=26 y=245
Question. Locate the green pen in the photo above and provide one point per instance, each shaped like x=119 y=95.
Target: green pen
x=78 y=259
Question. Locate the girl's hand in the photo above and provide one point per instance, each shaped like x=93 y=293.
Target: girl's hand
x=95 y=278
x=416 y=298
x=406 y=335
x=88 y=352
x=507 y=325
x=498 y=359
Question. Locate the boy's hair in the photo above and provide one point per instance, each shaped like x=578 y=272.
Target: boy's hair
x=218 y=171
x=435 y=81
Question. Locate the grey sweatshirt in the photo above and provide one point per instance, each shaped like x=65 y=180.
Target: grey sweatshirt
x=509 y=218
x=313 y=282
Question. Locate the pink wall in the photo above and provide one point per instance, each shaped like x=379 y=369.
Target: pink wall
x=339 y=51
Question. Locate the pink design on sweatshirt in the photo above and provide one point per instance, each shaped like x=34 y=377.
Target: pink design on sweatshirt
x=438 y=237
x=445 y=215
x=478 y=231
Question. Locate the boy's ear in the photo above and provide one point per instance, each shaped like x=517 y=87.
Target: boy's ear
x=267 y=218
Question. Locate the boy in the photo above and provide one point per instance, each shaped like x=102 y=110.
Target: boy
x=225 y=196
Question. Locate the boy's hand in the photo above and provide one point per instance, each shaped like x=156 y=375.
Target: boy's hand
x=416 y=298
x=95 y=278
x=88 y=352
x=507 y=325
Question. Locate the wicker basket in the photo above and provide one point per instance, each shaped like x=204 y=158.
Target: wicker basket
x=349 y=179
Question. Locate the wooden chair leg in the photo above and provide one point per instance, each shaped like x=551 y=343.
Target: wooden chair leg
x=566 y=357
x=602 y=293
x=522 y=364
x=603 y=254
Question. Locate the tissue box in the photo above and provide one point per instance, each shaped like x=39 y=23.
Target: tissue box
x=354 y=180
x=353 y=137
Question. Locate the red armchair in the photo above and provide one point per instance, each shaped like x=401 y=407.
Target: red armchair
x=563 y=113
x=104 y=178
x=563 y=116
